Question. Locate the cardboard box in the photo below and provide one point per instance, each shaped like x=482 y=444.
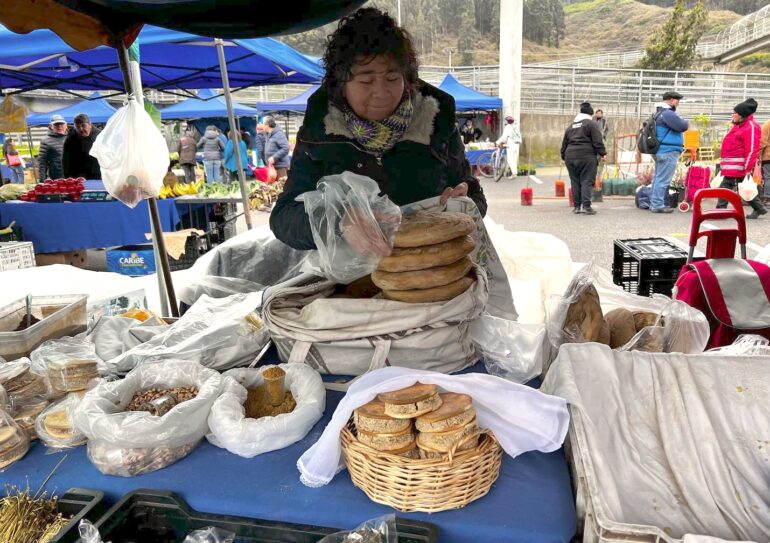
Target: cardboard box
x=132 y=260
x=79 y=259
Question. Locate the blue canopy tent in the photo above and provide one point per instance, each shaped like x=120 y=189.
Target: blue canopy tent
x=96 y=107
x=467 y=99
x=209 y=108
x=170 y=61
x=296 y=104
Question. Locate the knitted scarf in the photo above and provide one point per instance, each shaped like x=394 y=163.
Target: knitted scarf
x=380 y=136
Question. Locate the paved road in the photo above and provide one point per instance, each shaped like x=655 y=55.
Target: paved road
x=588 y=237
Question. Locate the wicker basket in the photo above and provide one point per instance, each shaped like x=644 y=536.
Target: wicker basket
x=422 y=485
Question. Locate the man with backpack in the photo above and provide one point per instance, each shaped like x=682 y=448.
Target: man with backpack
x=665 y=147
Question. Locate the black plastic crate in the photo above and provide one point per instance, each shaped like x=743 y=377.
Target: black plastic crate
x=79 y=504
x=647 y=266
x=157 y=516
x=192 y=250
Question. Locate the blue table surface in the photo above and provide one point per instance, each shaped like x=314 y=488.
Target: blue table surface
x=531 y=502
x=85 y=225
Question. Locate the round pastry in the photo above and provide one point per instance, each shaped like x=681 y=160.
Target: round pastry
x=468 y=443
x=642 y=319
x=58 y=424
x=444 y=441
x=371 y=417
x=622 y=327
x=411 y=402
x=432 y=227
x=421 y=258
x=408 y=451
x=387 y=442
x=421 y=279
x=431 y=295
x=455 y=412
x=71 y=375
x=650 y=339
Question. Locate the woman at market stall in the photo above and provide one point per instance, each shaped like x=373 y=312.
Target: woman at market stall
x=372 y=116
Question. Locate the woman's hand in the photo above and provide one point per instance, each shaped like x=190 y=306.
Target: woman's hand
x=363 y=235
x=457 y=192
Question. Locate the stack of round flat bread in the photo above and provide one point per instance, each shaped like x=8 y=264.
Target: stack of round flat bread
x=430 y=261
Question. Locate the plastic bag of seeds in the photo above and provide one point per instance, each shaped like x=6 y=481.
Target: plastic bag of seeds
x=246 y=429
x=379 y=530
x=150 y=419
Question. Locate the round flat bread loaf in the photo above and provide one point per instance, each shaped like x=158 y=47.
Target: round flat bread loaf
x=432 y=227
x=420 y=279
x=430 y=295
x=584 y=321
x=431 y=256
x=622 y=327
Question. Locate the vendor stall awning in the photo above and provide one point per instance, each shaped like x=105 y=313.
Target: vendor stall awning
x=169 y=60
x=207 y=105
x=467 y=99
x=296 y=104
x=96 y=107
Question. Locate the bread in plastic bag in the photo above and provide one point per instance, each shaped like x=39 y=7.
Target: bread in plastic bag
x=25 y=410
x=71 y=363
x=3 y=399
x=132 y=154
x=231 y=430
x=55 y=425
x=353 y=226
x=13 y=441
x=130 y=443
x=20 y=379
x=210 y=535
x=510 y=349
x=379 y=530
x=219 y=333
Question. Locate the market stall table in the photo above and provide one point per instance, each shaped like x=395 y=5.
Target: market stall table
x=531 y=501
x=58 y=227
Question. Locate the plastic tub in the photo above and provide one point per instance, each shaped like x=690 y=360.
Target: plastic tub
x=78 y=504
x=163 y=517
x=59 y=316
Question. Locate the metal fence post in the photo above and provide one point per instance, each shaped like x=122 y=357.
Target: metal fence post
x=639 y=98
x=572 y=100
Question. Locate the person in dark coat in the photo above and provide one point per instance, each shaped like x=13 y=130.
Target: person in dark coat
x=49 y=156
x=583 y=142
x=372 y=116
x=187 y=150
x=276 y=147
x=259 y=143
x=213 y=149
x=469 y=132
x=76 y=160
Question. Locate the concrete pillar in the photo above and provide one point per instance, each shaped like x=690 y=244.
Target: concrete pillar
x=511 y=16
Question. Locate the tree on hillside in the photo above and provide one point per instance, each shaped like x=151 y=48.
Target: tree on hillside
x=673 y=43
x=467 y=34
x=544 y=22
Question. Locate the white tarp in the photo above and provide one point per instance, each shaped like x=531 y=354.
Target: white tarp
x=681 y=442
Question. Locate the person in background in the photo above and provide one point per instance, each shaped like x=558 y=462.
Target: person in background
x=49 y=157
x=601 y=120
x=469 y=132
x=764 y=156
x=739 y=153
x=582 y=144
x=212 y=154
x=670 y=127
x=259 y=143
x=76 y=160
x=230 y=163
x=276 y=148
x=13 y=160
x=187 y=149
x=511 y=138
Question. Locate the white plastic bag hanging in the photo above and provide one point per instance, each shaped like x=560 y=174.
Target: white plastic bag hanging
x=132 y=155
x=748 y=188
x=353 y=227
x=717 y=181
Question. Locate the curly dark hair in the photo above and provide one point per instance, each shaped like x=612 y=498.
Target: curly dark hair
x=367 y=33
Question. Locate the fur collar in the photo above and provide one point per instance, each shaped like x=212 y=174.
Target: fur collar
x=420 y=129
x=581 y=117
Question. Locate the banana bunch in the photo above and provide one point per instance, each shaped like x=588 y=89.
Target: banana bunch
x=180 y=189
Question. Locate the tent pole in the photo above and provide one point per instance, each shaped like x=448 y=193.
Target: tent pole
x=32 y=155
x=235 y=136
x=168 y=303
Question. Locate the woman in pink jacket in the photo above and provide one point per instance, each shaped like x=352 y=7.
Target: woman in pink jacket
x=740 y=151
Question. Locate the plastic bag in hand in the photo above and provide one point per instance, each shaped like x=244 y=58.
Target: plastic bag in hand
x=379 y=530
x=210 y=535
x=748 y=189
x=132 y=155
x=353 y=227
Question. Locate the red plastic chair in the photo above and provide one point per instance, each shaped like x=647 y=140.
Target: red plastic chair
x=719 y=243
